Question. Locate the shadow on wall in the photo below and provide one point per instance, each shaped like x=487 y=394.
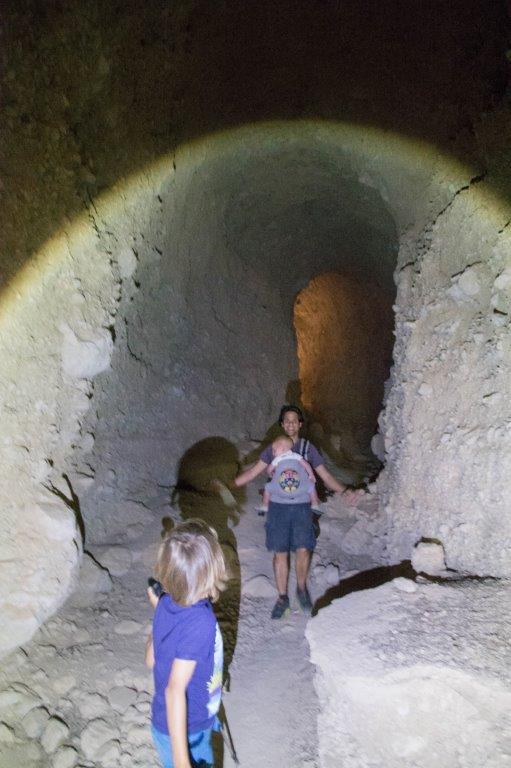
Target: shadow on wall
x=214 y=458
x=364 y=580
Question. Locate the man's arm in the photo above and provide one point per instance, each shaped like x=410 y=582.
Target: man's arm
x=249 y=474
x=329 y=480
x=333 y=485
x=175 y=700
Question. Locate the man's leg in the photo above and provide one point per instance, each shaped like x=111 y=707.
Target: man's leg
x=277 y=541
x=302 y=564
x=281 y=571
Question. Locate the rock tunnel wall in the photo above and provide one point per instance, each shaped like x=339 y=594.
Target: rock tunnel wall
x=132 y=335
x=447 y=420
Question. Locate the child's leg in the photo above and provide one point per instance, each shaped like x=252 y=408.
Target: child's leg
x=201 y=749
x=163 y=747
x=263 y=507
x=314 y=498
x=200 y=746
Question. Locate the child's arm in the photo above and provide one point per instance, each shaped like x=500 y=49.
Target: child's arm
x=149 y=648
x=149 y=652
x=175 y=700
x=308 y=469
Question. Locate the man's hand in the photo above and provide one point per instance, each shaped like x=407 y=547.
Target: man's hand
x=351 y=496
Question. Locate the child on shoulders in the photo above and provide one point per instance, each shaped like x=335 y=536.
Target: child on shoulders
x=289 y=483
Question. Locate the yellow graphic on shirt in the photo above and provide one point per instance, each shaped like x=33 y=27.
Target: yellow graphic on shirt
x=215 y=682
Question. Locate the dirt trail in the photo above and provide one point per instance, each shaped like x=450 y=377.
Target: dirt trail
x=80 y=686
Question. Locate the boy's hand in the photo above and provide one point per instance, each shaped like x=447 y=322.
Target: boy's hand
x=152 y=597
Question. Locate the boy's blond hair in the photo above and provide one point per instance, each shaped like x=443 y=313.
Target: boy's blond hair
x=190 y=565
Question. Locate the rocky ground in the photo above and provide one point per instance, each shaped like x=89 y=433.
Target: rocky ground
x=387 y=659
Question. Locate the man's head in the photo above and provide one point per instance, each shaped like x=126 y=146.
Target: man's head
x=291 y=419
x=281 y=444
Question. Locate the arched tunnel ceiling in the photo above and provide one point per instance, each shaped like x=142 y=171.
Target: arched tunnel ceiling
x=306 y=208
x=94 y=91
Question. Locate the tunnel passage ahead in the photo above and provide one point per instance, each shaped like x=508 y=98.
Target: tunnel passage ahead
x=210 y=345
x=164 y=316
x=344 y=337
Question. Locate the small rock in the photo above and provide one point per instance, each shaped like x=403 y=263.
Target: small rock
x=259 y=586
x=319 y=571
x=65 y=757
x=428 y=557
x=7 y=734
x=108 y=754
x=94 y=735
x=54 y=734
x=331 y=574
x=117 y=560
x=64 y=684
x=35 y=722
x=138 y=734
x=404 y=585
x=16 y=702
x=133 y=715
x=93 y=579
x=92 y=705
x=127 y=627
x=122 y=697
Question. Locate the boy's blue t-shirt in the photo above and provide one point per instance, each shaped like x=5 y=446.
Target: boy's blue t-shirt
x=190 y=633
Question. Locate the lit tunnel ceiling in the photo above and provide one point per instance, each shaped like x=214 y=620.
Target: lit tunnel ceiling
x=300 y=209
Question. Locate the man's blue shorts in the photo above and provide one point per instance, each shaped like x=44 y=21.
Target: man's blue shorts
x=289 y=527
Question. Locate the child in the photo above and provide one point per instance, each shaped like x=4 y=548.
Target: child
x=185 y=649
x=285 y=484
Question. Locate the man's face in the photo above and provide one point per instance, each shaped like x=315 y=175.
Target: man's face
x=291 y=425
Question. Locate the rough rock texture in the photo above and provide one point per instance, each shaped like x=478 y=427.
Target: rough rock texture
x=169 y=187
x=402 y=682
x=447 y=419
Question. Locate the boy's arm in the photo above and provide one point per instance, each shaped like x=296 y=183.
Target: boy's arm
x=175 y=701
x=149 y=652
x=149 y=648
x=249 y=474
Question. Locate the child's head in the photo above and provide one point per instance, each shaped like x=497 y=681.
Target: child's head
x=281 y=445
x=190 y=563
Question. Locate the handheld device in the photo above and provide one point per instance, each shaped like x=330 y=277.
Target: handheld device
x=155 y=586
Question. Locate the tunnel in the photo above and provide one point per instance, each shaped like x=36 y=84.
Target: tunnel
x=191 y=241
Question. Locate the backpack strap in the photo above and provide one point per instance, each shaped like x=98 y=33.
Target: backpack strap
x=303 y=448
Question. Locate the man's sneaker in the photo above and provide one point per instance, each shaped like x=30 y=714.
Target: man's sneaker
x=304 y=600
x=281 y=608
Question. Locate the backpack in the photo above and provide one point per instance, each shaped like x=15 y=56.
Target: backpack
x=303 y=448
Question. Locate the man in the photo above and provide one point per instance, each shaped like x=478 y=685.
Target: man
x=289 y=527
